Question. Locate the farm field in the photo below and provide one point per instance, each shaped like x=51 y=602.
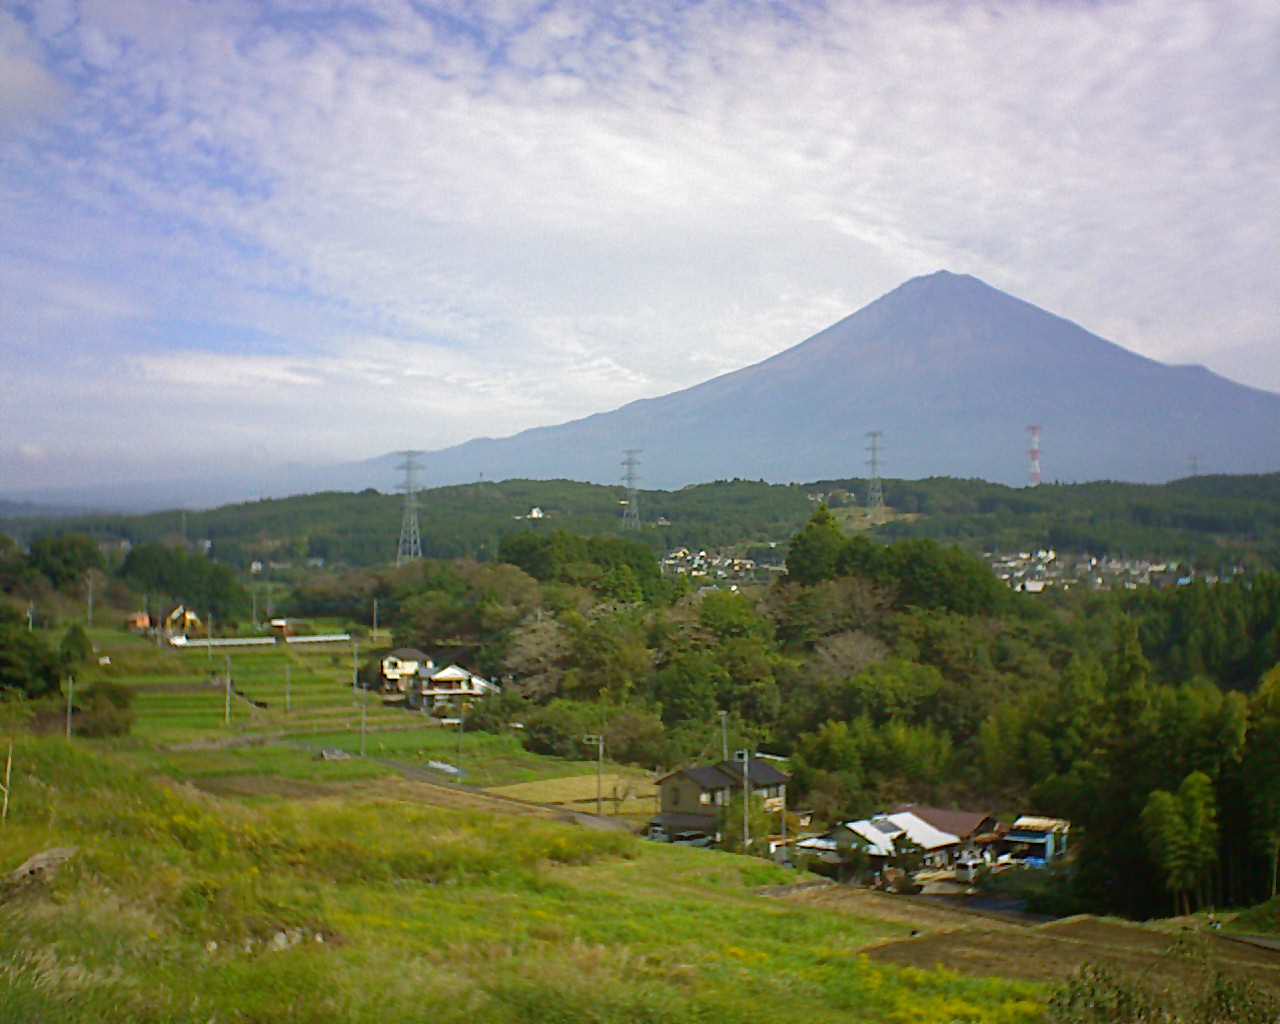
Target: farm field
x=626 y=792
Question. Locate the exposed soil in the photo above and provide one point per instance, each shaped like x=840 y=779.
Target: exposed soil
x=268 y=785
x=1051 y=953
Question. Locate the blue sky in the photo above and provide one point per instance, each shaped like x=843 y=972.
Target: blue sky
x=240 y=233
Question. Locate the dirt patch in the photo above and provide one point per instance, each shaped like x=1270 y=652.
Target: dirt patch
x=268 y=785
x=879 y=906
x=1052 y=953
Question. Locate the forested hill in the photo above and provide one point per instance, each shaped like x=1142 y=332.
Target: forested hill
x=1206 y=520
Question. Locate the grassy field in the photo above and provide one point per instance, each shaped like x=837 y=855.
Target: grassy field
x=224 y=873
x=184 y=905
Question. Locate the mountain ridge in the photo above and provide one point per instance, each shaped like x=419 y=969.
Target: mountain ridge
x=948 y=368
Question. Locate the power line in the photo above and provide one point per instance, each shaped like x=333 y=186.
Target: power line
x=410 y=549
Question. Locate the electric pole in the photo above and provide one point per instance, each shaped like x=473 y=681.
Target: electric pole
x=598 y=740
x=364 y=720
x=8 y=768
x=743 y=757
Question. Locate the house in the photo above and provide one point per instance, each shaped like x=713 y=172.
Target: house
x=692 y=798
x=941 y=836
x=138 y=622
x=400 y=666
x=180 y=620
x=451 y=684
x=976 y=833
x=1033 y=839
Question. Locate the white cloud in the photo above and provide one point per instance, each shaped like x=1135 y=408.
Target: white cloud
x=569 y=206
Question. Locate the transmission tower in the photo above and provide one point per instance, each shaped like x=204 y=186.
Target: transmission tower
x=875 y=492
x=631 y=512
x=1033 y=454
x=410 y=539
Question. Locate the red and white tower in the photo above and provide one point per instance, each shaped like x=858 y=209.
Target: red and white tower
x=1034 y=453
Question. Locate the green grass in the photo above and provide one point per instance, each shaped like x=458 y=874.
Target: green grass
x=1264 y=919
x=426 y=914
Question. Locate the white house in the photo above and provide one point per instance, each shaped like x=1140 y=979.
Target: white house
x=402 y=665
x=449 y=684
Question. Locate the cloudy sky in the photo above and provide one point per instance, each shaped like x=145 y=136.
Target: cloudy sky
x=235 y=233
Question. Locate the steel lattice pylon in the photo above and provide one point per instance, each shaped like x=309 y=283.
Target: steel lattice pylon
x=631 y=512
x=410 y=548
x=875 y=492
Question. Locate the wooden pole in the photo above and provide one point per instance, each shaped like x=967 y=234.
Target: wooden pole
x=8 y=768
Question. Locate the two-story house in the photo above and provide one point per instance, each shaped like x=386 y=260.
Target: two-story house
x=692 y=799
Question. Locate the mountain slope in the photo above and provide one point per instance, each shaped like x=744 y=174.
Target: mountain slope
x=951 y=370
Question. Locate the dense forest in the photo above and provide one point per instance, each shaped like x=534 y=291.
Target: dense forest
x=1207 y=521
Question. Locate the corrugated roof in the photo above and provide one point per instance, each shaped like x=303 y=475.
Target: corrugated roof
x=1031 y=823
x=958 y=823
x=922 y=833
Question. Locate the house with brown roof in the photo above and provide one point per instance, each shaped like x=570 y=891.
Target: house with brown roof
x=975 y=831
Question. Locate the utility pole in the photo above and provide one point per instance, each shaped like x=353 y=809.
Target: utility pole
x=364 y=720
x=724 y=736
x=226 y=713
x=8 y=768
x=71 y=686
x=598 y=740
x=784 y=818
x=89 y=580
x=30 y=611
x=375 y=615
x=743 y=757
x=355 y=665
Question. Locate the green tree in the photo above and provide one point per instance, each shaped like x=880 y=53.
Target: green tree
x=760 y=824
x=66 y=558
x=815 y=551
x=1182 y=835
x=75 y=648
x=1261 y=772
x=27 y=663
